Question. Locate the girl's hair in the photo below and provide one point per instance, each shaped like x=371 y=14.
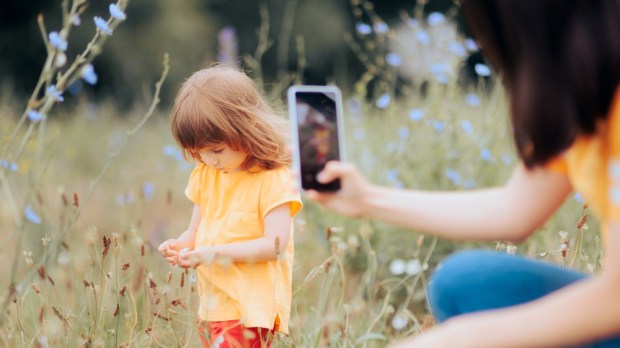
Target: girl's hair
x=222 y=105
x=560 y=62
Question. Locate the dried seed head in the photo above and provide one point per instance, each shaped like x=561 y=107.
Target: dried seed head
x=152 y=284
x=182 y=279
x=41 y=271
x=169 y=278
x=51 y=280
x=142 y=250
x=64 y=199
x=582 y=221
x=36 y=288
x=125 y=266
x=117 y=310
x=76 y=200
x=106 y=245
x=122 y=292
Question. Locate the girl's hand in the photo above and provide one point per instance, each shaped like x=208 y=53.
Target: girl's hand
x=195 y=258
x=169 y=250
x=353 y=189
x=450 y=334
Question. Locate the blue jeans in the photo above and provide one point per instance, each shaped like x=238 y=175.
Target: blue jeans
x=478 y=280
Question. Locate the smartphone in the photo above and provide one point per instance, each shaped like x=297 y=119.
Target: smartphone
x=316 y=133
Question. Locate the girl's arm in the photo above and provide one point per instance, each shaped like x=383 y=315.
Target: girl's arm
x=510 y=212
x=586 y=311
x=277 y=227
x=171 y=247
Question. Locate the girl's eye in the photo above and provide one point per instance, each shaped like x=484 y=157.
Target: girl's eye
x=217 y=150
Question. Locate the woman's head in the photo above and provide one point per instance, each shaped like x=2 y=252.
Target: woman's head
x=222 y=105
x=560 y=62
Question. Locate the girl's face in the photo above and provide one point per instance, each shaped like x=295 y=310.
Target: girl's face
x=222 y=157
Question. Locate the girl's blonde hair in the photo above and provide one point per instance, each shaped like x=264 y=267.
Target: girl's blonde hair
x=222 y=105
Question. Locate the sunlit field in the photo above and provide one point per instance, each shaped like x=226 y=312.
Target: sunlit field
x=88 y=192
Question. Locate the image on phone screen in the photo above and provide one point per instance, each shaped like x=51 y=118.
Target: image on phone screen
x=316 y=123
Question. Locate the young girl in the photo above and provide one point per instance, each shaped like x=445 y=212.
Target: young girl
x=560 y=63
x=240 y=234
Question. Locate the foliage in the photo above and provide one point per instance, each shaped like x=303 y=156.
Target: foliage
x=87 y=197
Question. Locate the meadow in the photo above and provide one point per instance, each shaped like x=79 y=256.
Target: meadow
x=88 y=192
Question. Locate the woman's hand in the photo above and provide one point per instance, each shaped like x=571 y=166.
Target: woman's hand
x=353 y=189
x=169 y=249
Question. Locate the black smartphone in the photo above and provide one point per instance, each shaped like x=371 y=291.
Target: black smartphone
x=317 y=131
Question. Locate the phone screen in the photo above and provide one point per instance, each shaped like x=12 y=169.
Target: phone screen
x=317 y=121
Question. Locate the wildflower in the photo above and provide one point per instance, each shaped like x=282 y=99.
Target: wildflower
x=506 y=159
x=435 y=18
x=393 y=59
x=192 y=278
x=472 y=99
x=54 y=93
x=457 y=49
x=453 y=176
x=467 y=127
x=227 y=45
x=470 y=45
x=482 y=69
x=170 y=150
x=148 y=190
x=422 y=36
x=438 y=125
x=75 y=20
x=63 y=258
x=35 y=116
x=102 y=25
x=416 y=115
x=579 y=197
x=413 y=23
x=383 y=101
x=31 y=216
x=89 y=75
x=392 y=175
x=46 y=240
x=399 y=321
x=61 y=60
x=363 y=28
x=12 y=166
x=57 y=41
x=403 y=132
x=117 y=12
x=413 y=267
x=485 y=154
x=381 y=27
x=398 y=266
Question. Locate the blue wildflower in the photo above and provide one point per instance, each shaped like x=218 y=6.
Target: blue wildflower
x=35 y=116
x=102 y=25
x=403 y=132
x=422 y=36
x=470 y=45
x=472 y=99
x=12 y=166
x=381 y=27
x=438 y=125
x=467 y=127
x=469 y=184
x=57 y=41
x=75 y=20
x=392 y=175
x=363 y=28
x=31 y=215
x=482 y=69
x=457 y=49
x=485 y=154
x=416 y=115
x=453 y=176
x=54 y=93
x=116 y=12
x=170 y=150
x=383 y=101
x=148 y=190
x=435 y=18
x=579 y=197
x=506 y=159
x=89 y=75
x=393 y=59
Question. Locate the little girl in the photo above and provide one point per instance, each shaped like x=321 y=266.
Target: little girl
x=240 y=234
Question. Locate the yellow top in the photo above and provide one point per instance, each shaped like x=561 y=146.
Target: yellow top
x=592 y=164
x=233 y=206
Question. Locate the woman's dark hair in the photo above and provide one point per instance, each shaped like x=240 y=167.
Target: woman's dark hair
x=560 y=62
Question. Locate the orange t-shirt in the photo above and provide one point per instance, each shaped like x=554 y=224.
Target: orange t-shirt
x=592 y=164
x=233 y=206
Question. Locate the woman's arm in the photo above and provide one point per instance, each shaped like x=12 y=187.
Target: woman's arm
x=586 y=311
x=510 y=212
x=277 y=227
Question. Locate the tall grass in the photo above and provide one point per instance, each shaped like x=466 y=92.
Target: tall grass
x=87 y=196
